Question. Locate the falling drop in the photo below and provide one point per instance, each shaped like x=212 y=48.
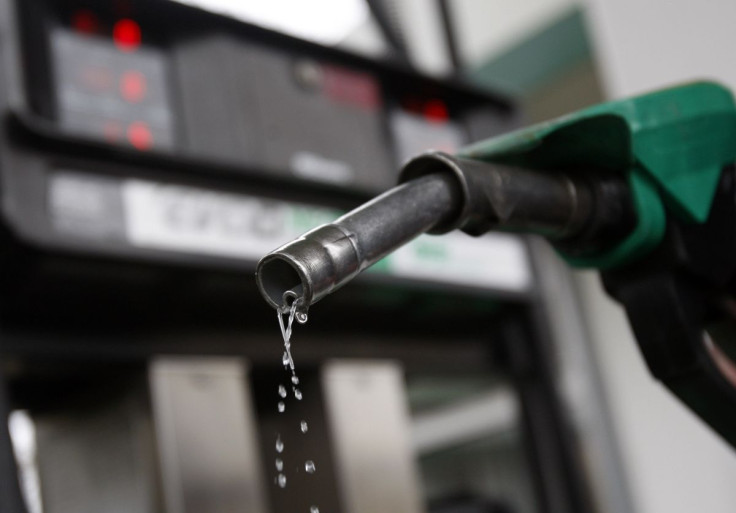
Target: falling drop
x=304 y=426
x=295 y=380
x=282 y=480
x=285 y=359
x=309 y=467
x=313 y=509
x=281 y=406
x=282 y=391
x=279 y=464
x=298 y=394
x=279 y=445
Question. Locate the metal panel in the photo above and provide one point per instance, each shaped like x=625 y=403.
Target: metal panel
x=368 y=415
x=97 y=457
x=207 y=436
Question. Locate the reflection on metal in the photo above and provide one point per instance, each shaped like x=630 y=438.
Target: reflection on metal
x=23 y=437
x=369 y=420
x=494 y=412
x=207 y=437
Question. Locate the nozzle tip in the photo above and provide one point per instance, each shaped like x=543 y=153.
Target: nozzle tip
x=311 y=267
x=276 y=275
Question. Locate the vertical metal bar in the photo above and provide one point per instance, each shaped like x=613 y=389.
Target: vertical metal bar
x=558 y=472
x=581 y=383
x=11 y=500
x=451 y=42
x=390 y=31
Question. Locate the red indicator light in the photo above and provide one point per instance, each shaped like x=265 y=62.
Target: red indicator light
x=85 y=22
x=133 y=86
x=435 y=111
x=139 y=135
x=127 y=35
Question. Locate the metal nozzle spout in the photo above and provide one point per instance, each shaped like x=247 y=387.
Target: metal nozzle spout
x=324 y=259
x=311 y=266
x=441 y=193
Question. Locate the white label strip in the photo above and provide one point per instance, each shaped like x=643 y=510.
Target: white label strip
x=206 y=222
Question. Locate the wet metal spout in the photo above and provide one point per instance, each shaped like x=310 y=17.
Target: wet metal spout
x=324 y=259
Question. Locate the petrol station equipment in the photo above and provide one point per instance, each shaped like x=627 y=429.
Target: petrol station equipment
x=150 y=153
x=641 y=188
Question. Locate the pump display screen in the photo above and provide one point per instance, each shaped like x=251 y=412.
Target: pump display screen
x=110 y=83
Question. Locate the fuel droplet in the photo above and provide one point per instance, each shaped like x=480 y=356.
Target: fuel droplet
x=295 y=380
x=279 y=445
x=309 y=467
x=313 y=509
x=298 y=394
x=304 y=426
x=282 y=480
x=282 y=390
x=281 y=406
x=279 y=464
x=285 y=359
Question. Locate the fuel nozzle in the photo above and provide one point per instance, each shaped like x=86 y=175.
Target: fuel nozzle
x=440 y=193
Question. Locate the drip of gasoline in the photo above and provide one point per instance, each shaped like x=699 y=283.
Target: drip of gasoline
x=291 y=314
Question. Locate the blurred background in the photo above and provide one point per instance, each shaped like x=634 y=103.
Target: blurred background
x=153 y=151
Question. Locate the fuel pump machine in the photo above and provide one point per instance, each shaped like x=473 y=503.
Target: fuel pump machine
x=150 y=154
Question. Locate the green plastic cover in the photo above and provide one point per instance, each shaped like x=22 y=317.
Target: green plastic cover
x=670 y=144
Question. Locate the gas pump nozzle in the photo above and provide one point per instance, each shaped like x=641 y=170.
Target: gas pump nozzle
x=439 y=193
x=642 y=189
